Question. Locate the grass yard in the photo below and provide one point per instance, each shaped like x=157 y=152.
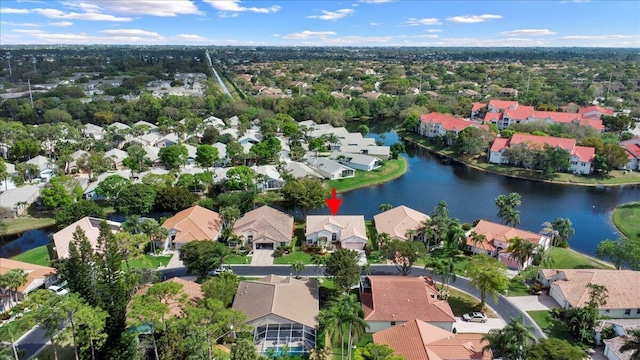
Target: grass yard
x=24 y=223
x=391 y=169
x=517 y=287
x=460 y=261
x=147 y=262
x=627 y=220
x=238 y=259
x=565 y=258
x=462 y=303
x=17 y=328
x=296 y=255
x=551 y=327
x=38 y=256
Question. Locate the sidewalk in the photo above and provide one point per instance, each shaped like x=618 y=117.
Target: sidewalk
x=175 y=261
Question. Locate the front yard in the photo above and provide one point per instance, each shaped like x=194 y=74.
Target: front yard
x=549 y=326
x=148 y=262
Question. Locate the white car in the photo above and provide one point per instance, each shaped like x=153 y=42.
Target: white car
x=59 y=290
x=475 y=317
x=221 y=270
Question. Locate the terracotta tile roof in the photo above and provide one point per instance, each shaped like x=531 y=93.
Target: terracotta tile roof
x=266 y=223
x=289 y=298
x=37 y=274
x=586 y=154
x=350 y=224
x=503 y=104
x=89 y=225
x=614 y=346
x=192 y=290
x=194 y=223
x=478 y=106
x=417 y=340
x=499 y=144
x=622 y=286
x=528 y=112
x=398 y=220
x=632 y=146
x=595 y=108
x=493 y=231
x=404 y=298
x=491 y=116
x=447 y=122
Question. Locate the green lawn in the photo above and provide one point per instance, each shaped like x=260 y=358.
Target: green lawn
x=296 y=255
x=147 y=262
x=462 y=303
x=24 y=223
x=391 y=169
x=627 y=220
x=17 y=328
x=565 y=258
x=460 y=261
x=517 y=287
x=38 y=256
x=238 y=259
x=550 y=326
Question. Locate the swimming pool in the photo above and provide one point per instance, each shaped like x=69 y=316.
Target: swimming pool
x=292 y=350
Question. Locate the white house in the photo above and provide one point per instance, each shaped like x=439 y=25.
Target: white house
x=93 y=131
x=633 y=152
x=169 y=139
x=436 y=124
x=273 y=180
x=356 y=161
x=19 y=199
x=7 y=183
x=347 y=230
x=330 y=169
x=46 y=166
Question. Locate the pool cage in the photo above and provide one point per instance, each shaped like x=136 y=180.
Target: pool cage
x=297 y=338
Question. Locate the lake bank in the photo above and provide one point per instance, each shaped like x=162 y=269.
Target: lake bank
x=626 y=218
x=391 y=170
x=620 y=178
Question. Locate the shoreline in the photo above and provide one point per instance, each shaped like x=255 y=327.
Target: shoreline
x=460 y=161
x=382 y=181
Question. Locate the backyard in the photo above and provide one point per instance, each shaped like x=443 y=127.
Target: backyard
x=549 y=326
x=391 y=169
x=38 y=256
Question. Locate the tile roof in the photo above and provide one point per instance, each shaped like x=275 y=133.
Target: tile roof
x=493 y=231
x=586 y=154
x=266 y=223
x=289 y=298
x=194 y=223
x=417 y=340
x=503 y=104
x=447 y=122
x=191 y=289
x=350 y=224
x=632 y=146
x=595 y=108
x=36 y=273
x=622 y=286
x=478 y=106
x=614 y=346
x=398 y=220
x=404 y=298
x=89 y=225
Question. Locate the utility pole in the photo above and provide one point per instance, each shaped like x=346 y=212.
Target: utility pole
x=609 y=86
x=34 y=64
x=9 y=61
x=30 y=93
x=420 y=88
x=528 y=81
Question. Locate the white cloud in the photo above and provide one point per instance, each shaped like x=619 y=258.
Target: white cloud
x=528 y=32
x=332 y=15
x=374 y=24
x=61 y=23
x=425 y=36
x=130 y=32
x=275 y=35
x=13 y=11
x=377 y=1
x=424 y=21
x=434 y=30
x=234 y=6
x=89 y=16
x=471 y=19
x=10 y=23
x=192 y=38
x=597 y=37
x=309 y=35
x=151 y=7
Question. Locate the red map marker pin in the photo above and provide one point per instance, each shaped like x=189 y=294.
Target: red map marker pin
x=333 y=203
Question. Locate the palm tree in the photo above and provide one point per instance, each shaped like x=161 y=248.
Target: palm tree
x=134 y=224
x=560 y=230
x=320 y=354
x=511 y=217
x=477 y=238
x=12 y=280
x=445 y=267
x=366 y=269
x=385 y=207
x=343 y=317
x=456 y=237
x=318 y=261
x=632 y=344
x=511 y=342
x=297 y=266
x=521 y=250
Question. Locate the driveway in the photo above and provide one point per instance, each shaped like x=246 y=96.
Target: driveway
x=262 y=257
x=532 y=303
x=474 y=327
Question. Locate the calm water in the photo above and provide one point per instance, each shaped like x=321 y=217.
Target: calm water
x=470 y=196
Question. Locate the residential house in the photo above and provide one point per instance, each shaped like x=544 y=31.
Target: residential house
x=371 y=95
x=93 y=131
x=402 y=223
x=497 y=238
x=356 y=161
x=191 y=289
x=194 y=223
x=19 y=199
x=348 y=231
x=299 y=171
x=501 y=105
x=91 y=228
x=37 y=277
x=148 y=125
x=153 y=154
x=594 y=112
x=633 y=152
x=511 y=92
x=436 y=124
x=90 y=190
x=46 y=166
x=612 y=348
x=265 y=228
x=619 y=327
x=330 y=169
x=120 y=126
x=282 y=311
x=167 y=140
x=148 y=139
x=569 y=288
x=506 y=113
x=214 y=121
x=75 y=156
x=272 y=178
x=6 y=183
x=418 y=340
x=477 y=110
x=393 y=300
x=117 y=156
x=581 y=159
x=381 y=152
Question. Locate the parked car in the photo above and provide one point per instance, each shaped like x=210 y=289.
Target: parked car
x=475 y=317
x=221 y=270
x=59 y=290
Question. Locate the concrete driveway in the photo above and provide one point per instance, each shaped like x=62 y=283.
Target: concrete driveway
x=474 y=327
x=262 y=257
x=534 y=302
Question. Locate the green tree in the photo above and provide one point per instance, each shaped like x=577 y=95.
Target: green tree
x=560 y=230
x=61 y=191
x=206 y=155
x=12 y=280
x=632 y=344
x=73 y=212
x=488 y=275
x=614 y=156
x=137 y=159
x=244 y=350
x=374 y=351
x=385 y=207
x=618 y=123
x=158 y=181
x=305 y=194
x=512 y=342
x=297 y=266
x=507 y=205
x=397 y=149
x=55 y=116
x=135 y=199
x=621 y=252
x=222 y=287
x=473 y=141
x=131 y=246
x=24 y=149
x=267 y=149
x=173 y=198
x=554 y=159
x=521 y=250
x=203 y=256
x=403 y=254
x=342 y=267
x=411 y=122
x=210 y=135
x=91 y=321
x=78 y=269
x=173 y=156
x=235 y=151
x=445 y=267
x=49 y=315
x=363 y=129
x=110 y=187
x=240 y=178
x=3 y=173
x=94 y=163
x=554 y=349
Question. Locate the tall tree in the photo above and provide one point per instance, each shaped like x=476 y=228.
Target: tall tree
x=507 y=205
x=623 y=252
x=305 y=194
x=173 y=156
x=111 y=186
x=403 y=254
x=206 y=155
x=632 y=344
x=222 y=288
x=554 y=349
x=79 y=268
x=244 y=350
x=73 y=212
x=135 y=199
x=521 y=250
x=12 y=280
x=61 y=191
x=203 y=256
x=342 y=267
x=95 y=163
x=297 y=266
x=488 y=275
x=512 y=342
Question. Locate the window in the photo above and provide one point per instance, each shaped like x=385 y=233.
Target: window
x=583 y=164
x=334 y=237
x=574 y=163
x=393 y=323
x=638 y=311
x=250 y=239
x=309 y=241
x=627 y=312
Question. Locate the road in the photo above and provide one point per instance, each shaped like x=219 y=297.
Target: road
x=503 y=307
x=222 y=85
x=32 y=342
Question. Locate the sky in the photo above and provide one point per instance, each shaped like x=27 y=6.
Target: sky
x=559 y=23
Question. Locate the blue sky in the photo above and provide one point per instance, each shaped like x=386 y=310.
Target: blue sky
x=339 y=23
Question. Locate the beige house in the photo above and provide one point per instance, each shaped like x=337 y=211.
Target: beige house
x=91 y=228
x=569 y=288
x=418 y=340
x=400 y=221
x=37 y=277
x=347 y=230
x=194 y=223
x=265 y=228
x=392 y=300
x=282 y=311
